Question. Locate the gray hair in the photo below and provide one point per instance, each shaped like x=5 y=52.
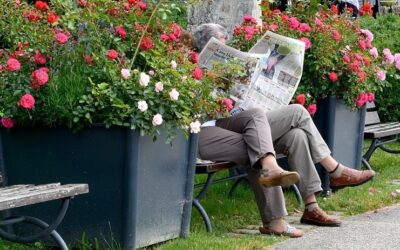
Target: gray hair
x=204 y=32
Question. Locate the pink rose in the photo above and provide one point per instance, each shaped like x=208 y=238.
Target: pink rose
x=303 y=27
x=371 y=97
x=312 y=108
x=197 y=73
x=146 y=43
x=27 y=101
x=13 y=64
x=159 y=87
x=164 y=37
x=306 y=41
x=346 y=59
x=62 y=38
x=249 y=18
x=362 y=45
x=228 y=103
x=293 y=23
x=174 y=95
x=157 y=120
x=273 y=27
x=112 y=54
x=362 y=99
x=373 y=52
x=142 y=5
x=362 y=76
x=318 y=23
x=39 y=58
x=7 y=122
x=333 y=76
x=397 y=65
x=40 y=76
x=381 y=75
x=336 y=35
x=301 y=99
x=125 y=73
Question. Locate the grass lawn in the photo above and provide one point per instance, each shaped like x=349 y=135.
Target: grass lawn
x=228 y=214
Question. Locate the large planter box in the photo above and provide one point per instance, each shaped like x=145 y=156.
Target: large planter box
x=343 y=131
x=140 y=190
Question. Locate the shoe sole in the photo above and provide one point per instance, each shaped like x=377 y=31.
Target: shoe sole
x=317 y=223
x=282 y=180
x=336 y=188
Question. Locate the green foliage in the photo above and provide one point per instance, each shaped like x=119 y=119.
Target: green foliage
x=81 y=83
x=386 y=33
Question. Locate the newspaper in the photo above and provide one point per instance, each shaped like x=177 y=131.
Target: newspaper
x=273 y=70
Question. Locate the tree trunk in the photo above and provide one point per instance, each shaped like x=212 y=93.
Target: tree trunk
x=227 y=13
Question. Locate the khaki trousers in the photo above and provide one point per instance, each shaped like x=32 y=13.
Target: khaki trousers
x=250 y=135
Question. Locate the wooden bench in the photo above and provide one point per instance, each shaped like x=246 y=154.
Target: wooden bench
x=24 y=195
x=211 y=168
x=379 y=133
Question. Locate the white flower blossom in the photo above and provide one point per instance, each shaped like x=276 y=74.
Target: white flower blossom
x=142 y=106
x=157 y=120
x=174 y=94
x=159 y=87
x=144 y=79
x=125 y=73
x=174 y=65
x=195 y=127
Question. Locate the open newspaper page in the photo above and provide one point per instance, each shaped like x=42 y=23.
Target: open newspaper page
x=278 y=74
x=217 y=52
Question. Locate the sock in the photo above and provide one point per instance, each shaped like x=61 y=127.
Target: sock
x=337 y=172
x=310 y=206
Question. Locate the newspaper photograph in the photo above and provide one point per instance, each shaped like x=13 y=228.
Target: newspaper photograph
x=274 y=66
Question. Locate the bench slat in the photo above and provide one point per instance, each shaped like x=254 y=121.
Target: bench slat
x=22 y=195
x=382 y=130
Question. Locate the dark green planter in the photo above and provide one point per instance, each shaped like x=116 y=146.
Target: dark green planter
x=140 y=190
x=343 y=131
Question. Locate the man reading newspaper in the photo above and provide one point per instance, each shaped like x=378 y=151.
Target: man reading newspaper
x=254 y=136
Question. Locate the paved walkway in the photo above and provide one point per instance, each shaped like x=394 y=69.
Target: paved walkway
x=373 y=230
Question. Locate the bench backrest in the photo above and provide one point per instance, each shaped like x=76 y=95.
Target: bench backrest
x=371 y=116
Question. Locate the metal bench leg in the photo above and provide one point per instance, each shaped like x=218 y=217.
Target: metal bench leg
x=296 y=191
x=47 y=229
x=368 y=154
x=200 y=208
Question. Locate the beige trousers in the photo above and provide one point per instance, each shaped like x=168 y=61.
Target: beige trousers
x=249 y=136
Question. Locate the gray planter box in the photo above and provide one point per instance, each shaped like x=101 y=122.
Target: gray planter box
x=343 y=131
x=140 y=190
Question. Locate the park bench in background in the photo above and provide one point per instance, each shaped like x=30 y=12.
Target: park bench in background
x=379 y=133
x=211 y=168
x=25 y=195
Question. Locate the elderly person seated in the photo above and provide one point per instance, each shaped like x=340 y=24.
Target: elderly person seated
x=254 y=137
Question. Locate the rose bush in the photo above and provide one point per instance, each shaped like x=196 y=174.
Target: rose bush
x=340 y=58
x=119 y=63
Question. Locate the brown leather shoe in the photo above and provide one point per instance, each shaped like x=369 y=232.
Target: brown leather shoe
x=318 y=217
x=350 y=178
x=278 y=178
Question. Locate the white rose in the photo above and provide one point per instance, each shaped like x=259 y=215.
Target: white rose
x=173 y=64
x=125 y=73
x=157 y=120
x=159 y=87
x=151 y=72
x=174 y=94
x=195 y=127
x=142 y=105
x=144 y=79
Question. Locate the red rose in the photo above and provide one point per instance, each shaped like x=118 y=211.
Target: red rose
x=194 y=57
x=371 y=97
x=27 y=101
x=228 y=103
x=62 y=38
x=13 y=64
x=112 y=12
x=88 y=59
x=197 y=73
x=334 y=9
x=176 y=29
x=132 y=1
x=40 y=77
x=312 y=108
x=40 y=5
x=52 y=17
x=164 y=37
x=7 y=122
x=142 y=5
x=301 y=99
x=120 y=31
x=39 y=58
x=333 y=76
x=366 y=61
x=361 y=44
x=362 y=99
x=146 y=43
x=346 y=59
x=112 y=54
